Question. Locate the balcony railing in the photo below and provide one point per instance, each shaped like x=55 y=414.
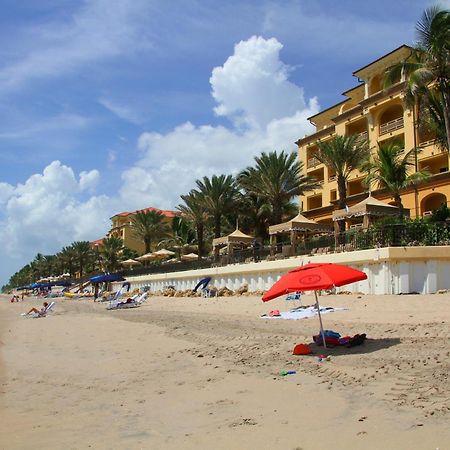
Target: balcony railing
x=362 y=137
x=312 y=162
x=393 y=125
x=332 y=178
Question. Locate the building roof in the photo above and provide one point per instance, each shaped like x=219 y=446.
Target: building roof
x=236 y=237
x=369 y=206
x=390 y=58
x=164 y=212
x=97 y=242
x=299 y=223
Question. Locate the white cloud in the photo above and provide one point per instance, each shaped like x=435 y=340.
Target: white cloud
x=99 y=30
x=89 y=180
x=60 y=122
x=121 y=111
x=253 y=84
x=48 y=210
x=6 y=190
x=251 y=88
x=46 y=213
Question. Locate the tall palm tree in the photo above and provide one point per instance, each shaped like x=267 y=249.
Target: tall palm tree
x=110 y=252
x=433 y=117
x=219 y=194
x=428 y=67
x=83 y=255
x=390 y=169
x=276 y=178
x=343 y=155
x=182 y=237
x=67 y=257
x=149 y=227
x=194 y=209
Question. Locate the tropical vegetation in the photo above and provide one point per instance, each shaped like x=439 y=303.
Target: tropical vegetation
x=427 y=73
x=343 y=155
x=265 y=192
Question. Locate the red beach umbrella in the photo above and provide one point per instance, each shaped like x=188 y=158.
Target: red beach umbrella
x=313 y=277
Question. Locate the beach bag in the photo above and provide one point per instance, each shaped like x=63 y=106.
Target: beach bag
x=301 y=349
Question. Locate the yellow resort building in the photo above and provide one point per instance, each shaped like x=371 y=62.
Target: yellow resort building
x=121 y=227
x=379 y=116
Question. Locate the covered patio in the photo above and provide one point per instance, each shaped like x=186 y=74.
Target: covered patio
x=298 y=228
x=365 y=213
x=237 y=239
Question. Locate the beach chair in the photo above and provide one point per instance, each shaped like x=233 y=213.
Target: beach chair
x=133 y=302
x=295 y=297
x=40 y=314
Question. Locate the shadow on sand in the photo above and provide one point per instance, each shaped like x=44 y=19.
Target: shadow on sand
x=368 y=346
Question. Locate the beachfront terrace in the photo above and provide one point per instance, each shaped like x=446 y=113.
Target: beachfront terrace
x=407 y=234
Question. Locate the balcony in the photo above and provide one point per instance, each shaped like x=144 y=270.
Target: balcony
x=312 y=162
x=362 y=137
x=393 y=125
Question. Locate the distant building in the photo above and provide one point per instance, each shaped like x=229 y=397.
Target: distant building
x=379 y=116
x=121 y=227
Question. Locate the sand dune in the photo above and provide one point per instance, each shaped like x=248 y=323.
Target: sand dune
x=196 y=373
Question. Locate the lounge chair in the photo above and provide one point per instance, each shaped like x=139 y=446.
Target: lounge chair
x=294 y=296
x=133 y=302
x=43 y=313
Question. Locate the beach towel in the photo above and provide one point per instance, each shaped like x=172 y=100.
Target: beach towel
x=301 y=313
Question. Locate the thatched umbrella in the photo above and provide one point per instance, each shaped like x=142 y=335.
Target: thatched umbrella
x=189 y=257
x=130 y=262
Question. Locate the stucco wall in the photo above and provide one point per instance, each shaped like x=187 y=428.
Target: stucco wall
x=393 y=270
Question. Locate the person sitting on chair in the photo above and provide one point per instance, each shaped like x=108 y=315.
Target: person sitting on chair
x=40 y=312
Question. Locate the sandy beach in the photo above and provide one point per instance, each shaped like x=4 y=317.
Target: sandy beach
x=196 y=373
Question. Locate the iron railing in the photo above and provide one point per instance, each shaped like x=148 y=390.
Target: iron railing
x=392 y=235
x=392 y=125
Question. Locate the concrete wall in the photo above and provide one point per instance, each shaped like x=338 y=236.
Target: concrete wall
x=393 y=270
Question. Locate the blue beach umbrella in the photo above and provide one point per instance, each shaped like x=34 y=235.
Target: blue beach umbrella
x=106 y=278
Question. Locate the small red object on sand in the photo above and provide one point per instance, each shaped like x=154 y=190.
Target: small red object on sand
x=301 y=349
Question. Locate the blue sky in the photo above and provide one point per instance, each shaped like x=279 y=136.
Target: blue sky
x=108 y=106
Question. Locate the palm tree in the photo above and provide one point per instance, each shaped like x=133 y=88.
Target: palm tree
x=432 y=120
x=343 y=155
x=255 y=214
x=149 y=227
x=276 y=178
x=194 y=210
x=183 y=236
x=82 y=254
x=67 y=257
x=219 y=194
x=390 y=169
x=428 y=69
x=110 y=252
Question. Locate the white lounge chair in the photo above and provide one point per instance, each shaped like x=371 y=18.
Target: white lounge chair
x=132 y=302
x=43 y=313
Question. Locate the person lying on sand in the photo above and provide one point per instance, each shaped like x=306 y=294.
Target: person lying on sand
x=128 y=300
x=39 y=312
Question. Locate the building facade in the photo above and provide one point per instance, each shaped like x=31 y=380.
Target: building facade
x=121 y=227
x=379 y=116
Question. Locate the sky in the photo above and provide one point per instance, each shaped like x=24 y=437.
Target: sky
x=110 y=106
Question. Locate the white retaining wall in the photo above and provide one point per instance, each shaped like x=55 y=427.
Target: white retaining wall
x=392 y=270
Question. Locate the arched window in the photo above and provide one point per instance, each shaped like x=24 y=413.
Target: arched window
x=432 y=202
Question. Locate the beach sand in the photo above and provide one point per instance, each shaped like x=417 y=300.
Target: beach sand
x=194 y=373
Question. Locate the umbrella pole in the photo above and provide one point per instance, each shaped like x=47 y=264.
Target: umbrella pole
x=320 y=320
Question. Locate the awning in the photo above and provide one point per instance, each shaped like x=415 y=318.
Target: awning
x=236 y=237
x=299 y=223
x=370 y=206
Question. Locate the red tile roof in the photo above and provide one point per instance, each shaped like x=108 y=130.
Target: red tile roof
x=97 y=242
x=164 y=212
